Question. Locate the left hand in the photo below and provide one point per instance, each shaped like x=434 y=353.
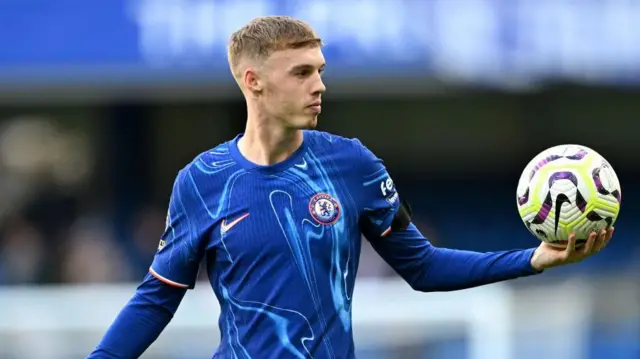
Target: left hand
x=546 y=256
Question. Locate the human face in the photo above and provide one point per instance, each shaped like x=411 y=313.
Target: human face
x=293 y=87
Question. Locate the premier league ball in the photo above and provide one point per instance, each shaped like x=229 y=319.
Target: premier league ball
x=565 y=189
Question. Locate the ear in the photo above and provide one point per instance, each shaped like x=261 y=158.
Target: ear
x=251 y=79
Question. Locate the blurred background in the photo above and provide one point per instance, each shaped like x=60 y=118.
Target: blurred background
x=102 y=102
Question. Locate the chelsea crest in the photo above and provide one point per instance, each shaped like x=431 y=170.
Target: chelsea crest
x=324 y=209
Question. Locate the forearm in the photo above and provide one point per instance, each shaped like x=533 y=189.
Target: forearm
x=428 y=268
x=447 y=269
x=140 y=322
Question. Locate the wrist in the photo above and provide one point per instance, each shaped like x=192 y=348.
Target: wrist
x=535 y=261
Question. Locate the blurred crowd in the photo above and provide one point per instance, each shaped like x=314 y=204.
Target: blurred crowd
x=67 y=246
x=53 y=227
x=60 y=221
x=46 y=233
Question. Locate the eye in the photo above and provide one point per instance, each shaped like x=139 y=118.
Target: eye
x=303 y=73
x=307 y=71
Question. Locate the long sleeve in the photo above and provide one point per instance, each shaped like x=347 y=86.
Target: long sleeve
x=141 y=320
x=424 y=266
x=429 y=269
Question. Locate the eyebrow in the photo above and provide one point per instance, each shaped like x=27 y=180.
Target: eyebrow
x=306 y=67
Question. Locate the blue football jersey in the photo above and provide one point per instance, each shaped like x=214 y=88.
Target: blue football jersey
x=281 y=243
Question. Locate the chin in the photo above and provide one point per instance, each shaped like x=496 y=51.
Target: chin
x=313 y=123
x=308 y=123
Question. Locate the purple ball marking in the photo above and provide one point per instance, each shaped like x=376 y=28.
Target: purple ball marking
x=600 y=187
x=524 y=198
x=562 y=176
x=594 y=217
x=542 y=163
x=543 y=213
x=618 y=196
x=580 y=201
x=578 y=156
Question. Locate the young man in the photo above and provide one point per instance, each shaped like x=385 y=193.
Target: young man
x=278 y=213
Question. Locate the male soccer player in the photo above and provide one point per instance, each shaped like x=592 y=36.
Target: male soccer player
x=278 y=213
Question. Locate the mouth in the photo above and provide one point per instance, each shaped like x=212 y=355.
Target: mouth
x=315 y=106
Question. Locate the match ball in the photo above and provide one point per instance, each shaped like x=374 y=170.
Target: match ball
x=565 y=189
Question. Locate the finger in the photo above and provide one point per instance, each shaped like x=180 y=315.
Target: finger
x=603 y=234
x=610 y=233
x=605 y=240
x=590 y=245
x=571 y=245
x=599 y=244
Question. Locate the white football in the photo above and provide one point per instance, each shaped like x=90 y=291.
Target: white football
x=565 y=189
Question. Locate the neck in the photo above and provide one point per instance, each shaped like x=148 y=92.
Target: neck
x=266 y=142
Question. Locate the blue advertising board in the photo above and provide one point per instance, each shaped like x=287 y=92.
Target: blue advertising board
x=147 y=41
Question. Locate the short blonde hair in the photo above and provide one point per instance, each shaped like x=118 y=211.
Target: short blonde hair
x=264 y=35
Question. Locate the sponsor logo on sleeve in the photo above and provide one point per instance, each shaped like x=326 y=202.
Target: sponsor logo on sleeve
x=388 y=190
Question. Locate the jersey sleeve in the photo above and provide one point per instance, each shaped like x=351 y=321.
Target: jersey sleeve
x=378 y=195
x=183 y=242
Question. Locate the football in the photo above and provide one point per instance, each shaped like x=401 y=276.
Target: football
x=565 y=189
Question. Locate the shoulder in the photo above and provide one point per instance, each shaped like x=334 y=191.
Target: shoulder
x=359 y=154
x=352 y=147
x=207 y=169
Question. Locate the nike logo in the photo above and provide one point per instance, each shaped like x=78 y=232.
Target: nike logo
x=303 y=165
x=225 y=227
x=560 y=200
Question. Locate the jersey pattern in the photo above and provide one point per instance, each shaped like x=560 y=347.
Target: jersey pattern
x=281 y=244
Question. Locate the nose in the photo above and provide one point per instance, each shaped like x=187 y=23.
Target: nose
x=319 y=87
